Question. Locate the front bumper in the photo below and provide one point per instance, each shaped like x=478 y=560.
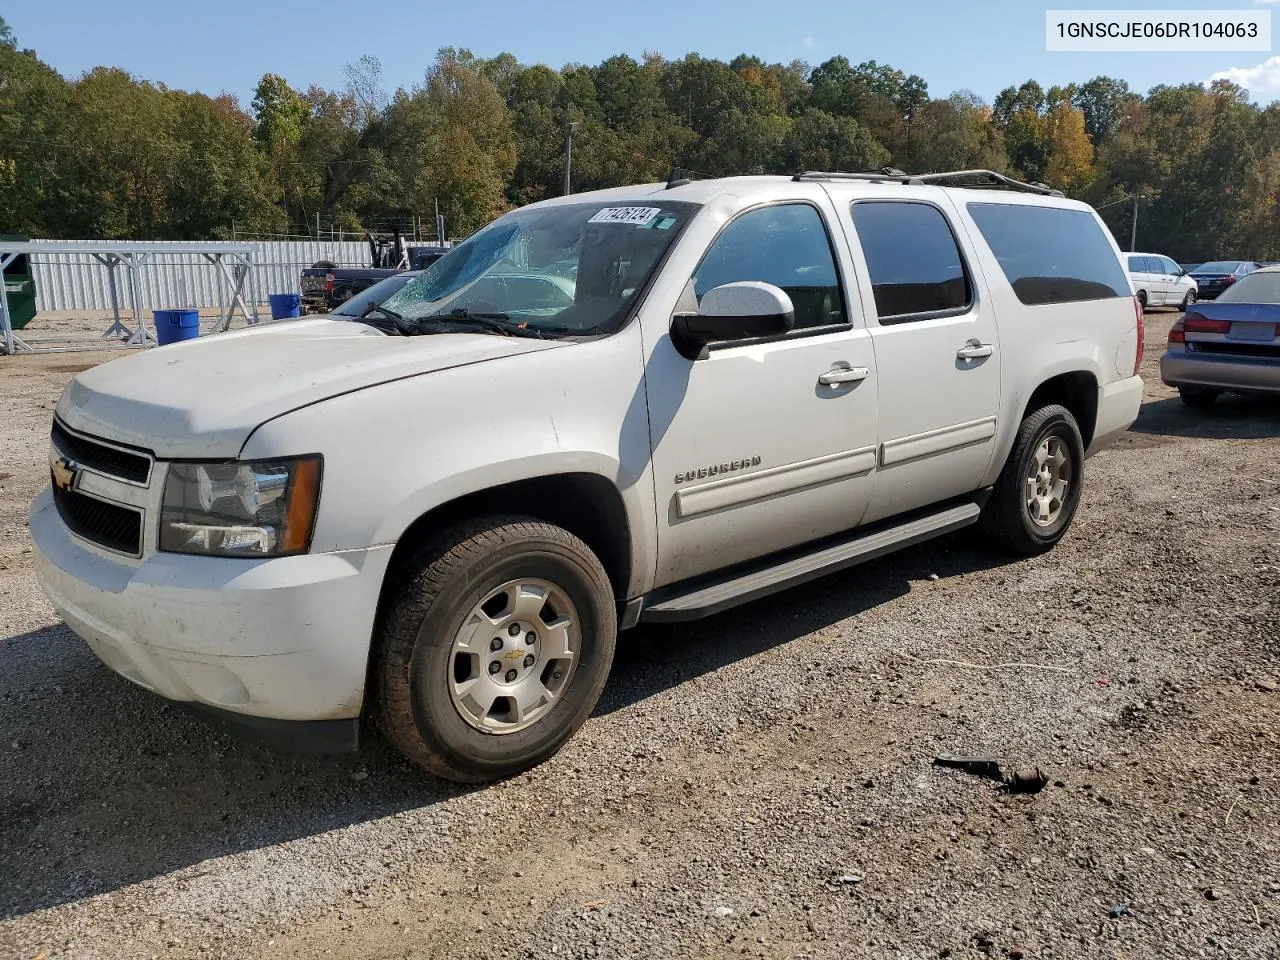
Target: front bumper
x=285 y=639
x=1183 y=368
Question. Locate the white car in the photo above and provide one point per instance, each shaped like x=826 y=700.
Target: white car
x=1159 y=282
x=440 y=513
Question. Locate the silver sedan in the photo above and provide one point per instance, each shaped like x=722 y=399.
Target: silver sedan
x=1228 y=345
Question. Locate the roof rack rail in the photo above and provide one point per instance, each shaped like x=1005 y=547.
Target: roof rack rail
x=883 y=175
x=983 y=179
x=993 y=181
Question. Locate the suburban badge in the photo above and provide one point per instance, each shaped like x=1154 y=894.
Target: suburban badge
x=716 y=469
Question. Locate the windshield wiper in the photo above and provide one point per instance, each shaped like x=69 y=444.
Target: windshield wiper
x=497 y=322
x=398 y=323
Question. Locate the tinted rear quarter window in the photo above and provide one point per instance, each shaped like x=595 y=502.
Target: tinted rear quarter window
x=1051 y=254
x=915 y=266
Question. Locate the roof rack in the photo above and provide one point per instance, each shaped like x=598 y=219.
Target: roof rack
x=993 y=181
x=883 y=175
x=982 y=179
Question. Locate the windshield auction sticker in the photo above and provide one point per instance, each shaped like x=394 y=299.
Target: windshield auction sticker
x=1157 y=30
x=635 y=216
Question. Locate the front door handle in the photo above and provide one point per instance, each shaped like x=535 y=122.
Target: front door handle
x=843 y=375
x=974 y=350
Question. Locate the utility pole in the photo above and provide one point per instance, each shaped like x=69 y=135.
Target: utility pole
x=1133 y=234
x=571 y=129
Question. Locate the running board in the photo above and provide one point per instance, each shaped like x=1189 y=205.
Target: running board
x=706 y=600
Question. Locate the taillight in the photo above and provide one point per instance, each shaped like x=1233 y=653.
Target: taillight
x=1195 y=323
x=1177 y=332
x=1231 y=278
x=328 y=281
x=1142 y=336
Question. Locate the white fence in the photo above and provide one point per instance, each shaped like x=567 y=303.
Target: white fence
x=179 y=280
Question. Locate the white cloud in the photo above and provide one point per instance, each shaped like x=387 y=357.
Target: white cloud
x=808 y=41
x=1265 y=76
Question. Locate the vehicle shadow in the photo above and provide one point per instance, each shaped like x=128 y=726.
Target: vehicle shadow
x=1231 y=418
x=103 y=785
x=652 y=657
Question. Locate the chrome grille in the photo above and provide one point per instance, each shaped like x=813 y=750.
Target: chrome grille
x=110 y=460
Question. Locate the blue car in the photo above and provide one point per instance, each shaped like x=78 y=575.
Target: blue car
x=1228 y=345
x=1217 y=275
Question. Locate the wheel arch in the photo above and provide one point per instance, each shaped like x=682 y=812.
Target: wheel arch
x=1077 y=390
x=588 y=505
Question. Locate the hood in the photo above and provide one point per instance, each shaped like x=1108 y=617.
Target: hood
x=204 y=397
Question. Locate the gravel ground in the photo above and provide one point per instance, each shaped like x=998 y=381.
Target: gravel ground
x=757 y=784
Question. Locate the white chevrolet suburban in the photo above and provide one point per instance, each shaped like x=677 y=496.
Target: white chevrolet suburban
x=640 y=404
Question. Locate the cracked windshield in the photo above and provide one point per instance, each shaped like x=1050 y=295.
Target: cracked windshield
x=571 y=269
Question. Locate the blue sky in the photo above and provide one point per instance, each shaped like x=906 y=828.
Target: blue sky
x=982 y=45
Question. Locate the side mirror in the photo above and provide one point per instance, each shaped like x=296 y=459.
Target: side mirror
x=746 y=310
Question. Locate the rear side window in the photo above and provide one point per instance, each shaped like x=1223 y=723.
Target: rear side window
x=913 y=260
x=1050 y=254
x=1137 y=264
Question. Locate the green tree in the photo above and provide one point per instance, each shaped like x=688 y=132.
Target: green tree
x=822 y=141
x=954 y=134
x=219 y=180
x=280 y=113
x=125 y=167
x=38 y=149
x=1102 y=100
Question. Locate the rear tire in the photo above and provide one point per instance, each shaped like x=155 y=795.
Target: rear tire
x=1142 y=300
x=1188 y=301
x=438 y=648
x=1197 y=398
x=1037 y=493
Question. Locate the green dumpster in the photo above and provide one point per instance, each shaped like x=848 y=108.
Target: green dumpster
x=19 y=288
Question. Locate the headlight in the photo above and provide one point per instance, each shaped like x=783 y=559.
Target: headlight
x=257 y=508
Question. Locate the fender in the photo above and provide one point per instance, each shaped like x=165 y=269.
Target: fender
x=395 y=451
x=1051 y=360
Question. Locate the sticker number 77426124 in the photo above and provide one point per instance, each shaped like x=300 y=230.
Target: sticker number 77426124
x=634 y=216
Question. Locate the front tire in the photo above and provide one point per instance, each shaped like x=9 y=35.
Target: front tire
x=494 y=648
x=1038 y=491
x=1188 y=301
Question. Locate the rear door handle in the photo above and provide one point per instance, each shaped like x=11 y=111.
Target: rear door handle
x=844 y=375
x=973 y=350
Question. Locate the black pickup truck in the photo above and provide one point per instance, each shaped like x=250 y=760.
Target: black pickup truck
x=325 y=285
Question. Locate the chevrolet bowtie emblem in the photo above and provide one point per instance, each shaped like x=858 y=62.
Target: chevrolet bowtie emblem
x=64 y=472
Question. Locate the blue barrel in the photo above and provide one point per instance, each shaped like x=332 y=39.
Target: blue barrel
x=285 y=305
x=175 y=325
